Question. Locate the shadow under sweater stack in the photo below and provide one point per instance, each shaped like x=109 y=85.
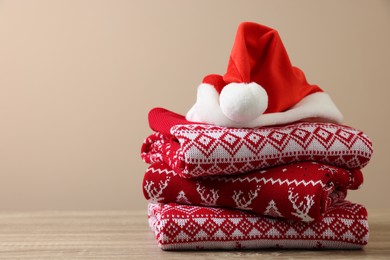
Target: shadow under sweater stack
x=226 y=179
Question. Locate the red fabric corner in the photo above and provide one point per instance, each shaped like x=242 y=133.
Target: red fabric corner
x=161 y=120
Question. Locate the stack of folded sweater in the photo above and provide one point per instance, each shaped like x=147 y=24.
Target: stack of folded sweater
x=221 y=178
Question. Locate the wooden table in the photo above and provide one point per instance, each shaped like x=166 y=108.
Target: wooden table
x=126 y=235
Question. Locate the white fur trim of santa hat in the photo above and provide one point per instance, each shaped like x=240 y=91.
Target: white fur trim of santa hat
x=208 y=109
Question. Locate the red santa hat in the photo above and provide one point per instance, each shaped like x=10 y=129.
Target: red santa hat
x=260 y=87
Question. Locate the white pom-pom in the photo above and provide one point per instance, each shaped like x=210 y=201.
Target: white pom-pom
x=243 y=102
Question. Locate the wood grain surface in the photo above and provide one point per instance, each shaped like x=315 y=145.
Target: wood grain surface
x=126 y=235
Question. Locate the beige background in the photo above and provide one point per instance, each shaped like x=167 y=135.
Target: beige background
x=77 y=79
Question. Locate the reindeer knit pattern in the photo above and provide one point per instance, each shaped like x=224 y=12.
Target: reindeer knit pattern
x=301 y=191
x=182 y=227
x=195 y=150
x=212 y=187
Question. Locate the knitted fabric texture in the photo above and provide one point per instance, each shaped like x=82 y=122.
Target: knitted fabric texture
x=183 y=227
x=194 y=150
x=301 y=191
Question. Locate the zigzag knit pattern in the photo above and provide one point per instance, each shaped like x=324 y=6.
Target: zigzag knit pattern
x=194 y=150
